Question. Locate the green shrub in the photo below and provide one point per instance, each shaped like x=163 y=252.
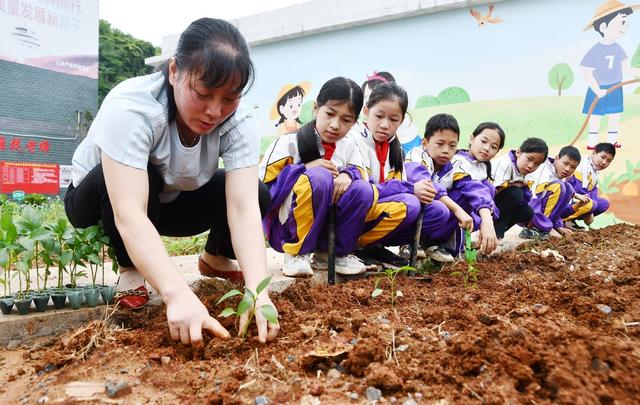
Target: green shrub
x=453 y=95
x=427 y=101
x=35 y=199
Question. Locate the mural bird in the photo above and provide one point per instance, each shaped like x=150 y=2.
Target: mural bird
x=485 y=19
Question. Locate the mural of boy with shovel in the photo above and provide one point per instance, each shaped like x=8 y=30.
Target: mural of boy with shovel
x=603 y=67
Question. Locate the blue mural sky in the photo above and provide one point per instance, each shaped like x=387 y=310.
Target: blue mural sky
x=431 y=52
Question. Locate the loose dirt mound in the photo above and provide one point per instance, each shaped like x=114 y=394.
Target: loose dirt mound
x=536 y=330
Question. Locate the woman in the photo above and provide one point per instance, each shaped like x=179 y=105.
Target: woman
x=148 y=167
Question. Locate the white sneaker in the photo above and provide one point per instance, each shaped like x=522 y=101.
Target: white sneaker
x=297 y=266
x=439 y=254
x=347 y=265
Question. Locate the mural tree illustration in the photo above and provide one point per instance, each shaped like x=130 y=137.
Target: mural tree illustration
x=560 y=77
x=453 y=95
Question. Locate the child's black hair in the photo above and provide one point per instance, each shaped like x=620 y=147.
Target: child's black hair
x=500 y=131
x=571 y=151
x=441 y=122
x=339 y=89
x=605 y=147
x=535 y=145
x=372 y=83
x=607 y=19
x=390 y=91
x=294 y=92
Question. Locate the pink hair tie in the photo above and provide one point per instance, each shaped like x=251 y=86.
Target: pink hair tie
x=376 y=76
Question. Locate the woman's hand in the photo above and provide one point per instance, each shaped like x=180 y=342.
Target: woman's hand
x=322 y=162
x=340 y=185
x=425 y=191
x=464 y=220
x=266 y=330
x=187 y=317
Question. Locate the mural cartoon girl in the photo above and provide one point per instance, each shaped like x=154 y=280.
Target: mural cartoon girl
x=309 y=171
x=288 y=106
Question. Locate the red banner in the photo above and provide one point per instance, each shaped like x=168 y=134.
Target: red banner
x=41 y=178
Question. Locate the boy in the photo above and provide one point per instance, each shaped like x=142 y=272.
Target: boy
x=552 y=196
x=433 y=161
x=585 y=182
x=603 y=67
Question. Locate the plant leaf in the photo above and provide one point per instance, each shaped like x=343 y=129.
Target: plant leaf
x=269 y=314
x=263 y=284
x=230 y=294
x=245 y=304
x=227 y=312
x=376 y=292
x=456 y=273
x=248 y=292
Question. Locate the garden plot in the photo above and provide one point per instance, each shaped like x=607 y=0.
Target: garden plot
x=551 y=322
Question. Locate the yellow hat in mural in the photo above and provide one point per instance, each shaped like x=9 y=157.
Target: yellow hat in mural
x=305 y=86
x=608 y=7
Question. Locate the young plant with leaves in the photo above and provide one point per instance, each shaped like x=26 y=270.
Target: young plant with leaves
x=33 y=232
x=390 y=275
x=63 y=233
x=248 y=305
x=470 y=256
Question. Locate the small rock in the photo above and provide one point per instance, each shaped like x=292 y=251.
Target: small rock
x=290 y=358
x=373 y=394
x=393 y=400
x=409 y=401
x=333 y=374
x=165 y=359
x=261 y=400
x=49 y=368
x=316 y=390
x=218 y=382
x=487 y=320
x=604 y=308
x=353 y=396
x=203 y=375
x=115 y=389
x=124 y=371
x=13 y=344
x=43 y=400
x=417 y=395
x=445 y=335
x=309 y=400
x=353 y=341
x=540 y=309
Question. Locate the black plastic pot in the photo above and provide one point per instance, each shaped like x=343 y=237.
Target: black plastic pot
x=6 y=305
x=59 y=297
x=107 y=292
x=91 y=296
x=23 y=305
x=41 y=301
x=75 y=298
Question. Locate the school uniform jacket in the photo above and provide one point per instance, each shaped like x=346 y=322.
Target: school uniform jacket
x=420 y=166
x=472 y=189
x=549 y=190
x=505 y=171
x=585 y=179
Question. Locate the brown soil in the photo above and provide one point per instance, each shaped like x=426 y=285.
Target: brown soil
x=532 y=332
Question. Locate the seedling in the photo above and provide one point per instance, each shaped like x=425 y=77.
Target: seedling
x=248 y=304
x=470 y=256
x=390 y=274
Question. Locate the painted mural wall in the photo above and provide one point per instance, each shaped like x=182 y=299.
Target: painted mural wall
x=526 y=64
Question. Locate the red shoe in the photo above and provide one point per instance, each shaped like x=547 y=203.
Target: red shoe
x=133 y=299
x=617 y=145
x=591 y=147
x=208 y=271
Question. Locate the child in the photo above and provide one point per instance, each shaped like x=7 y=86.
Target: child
x=310 y=170
x=585 y=182
x=552 y=195
x=472 y=187
x=383 y=157
x=513 y=192
x=432 y=161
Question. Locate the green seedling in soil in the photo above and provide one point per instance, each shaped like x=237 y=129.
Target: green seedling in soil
x=62 y=255
x=470 y=256
x=34 y=234
x=390 y=274
x=248 y=305
x=9 y=247
x=105 y=251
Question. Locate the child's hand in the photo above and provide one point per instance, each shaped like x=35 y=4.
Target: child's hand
x=464 y=220
x=582 y=199
x=425 y=191
x=564 y=231
x=487 y=239
x=517 y=184
x=327 y=164
x=340 y=185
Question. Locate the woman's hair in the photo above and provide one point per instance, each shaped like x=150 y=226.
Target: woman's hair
x=376 y=78
x=490 y=125
x=534 y=145
x=216 y=52
x=496 y=127
x=391 y=92
x=294 y=92
x=336 y=90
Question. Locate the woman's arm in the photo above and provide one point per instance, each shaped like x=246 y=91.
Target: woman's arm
x=245 y=224
x=128 y=190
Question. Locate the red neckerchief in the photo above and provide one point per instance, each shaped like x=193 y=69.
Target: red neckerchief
x=329 y=148
x=382 y=151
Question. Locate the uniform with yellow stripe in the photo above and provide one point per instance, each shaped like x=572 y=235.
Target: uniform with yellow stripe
x=551 y=199
x=301 y=197
x=472 y=189
x=392 y=221
x=585 y=181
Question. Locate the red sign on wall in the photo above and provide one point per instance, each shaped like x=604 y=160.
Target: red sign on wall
x=41 y=178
